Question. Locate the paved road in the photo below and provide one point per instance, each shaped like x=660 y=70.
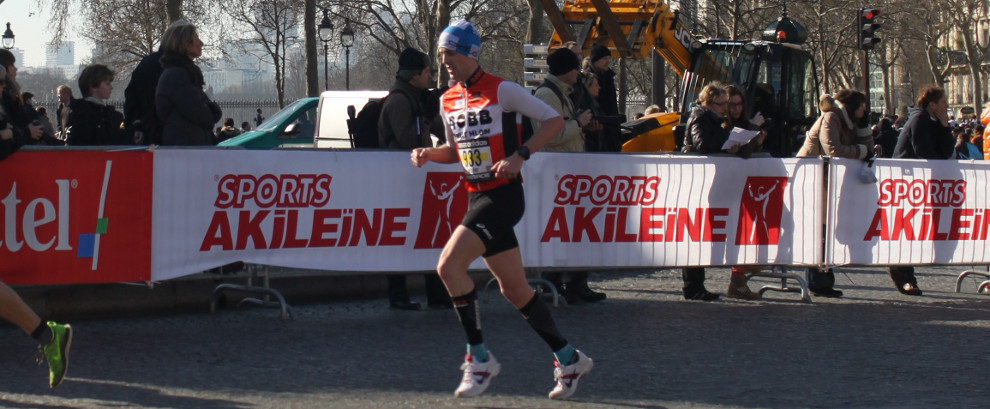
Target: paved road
x=873 y=348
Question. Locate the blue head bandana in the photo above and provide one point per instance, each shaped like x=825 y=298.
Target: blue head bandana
x=461 y=37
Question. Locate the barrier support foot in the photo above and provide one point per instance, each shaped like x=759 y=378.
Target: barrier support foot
x=982 y=287
x=264 y=291
x=781 y=273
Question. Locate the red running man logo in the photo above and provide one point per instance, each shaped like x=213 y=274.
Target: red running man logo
x=444 y=205
x=760 y=210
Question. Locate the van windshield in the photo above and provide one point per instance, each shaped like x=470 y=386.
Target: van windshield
x=271 y=123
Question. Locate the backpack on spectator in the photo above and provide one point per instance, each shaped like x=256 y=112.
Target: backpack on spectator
x=363 y=128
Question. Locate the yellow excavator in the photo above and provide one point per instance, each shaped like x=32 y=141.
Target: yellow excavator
x=776 y=72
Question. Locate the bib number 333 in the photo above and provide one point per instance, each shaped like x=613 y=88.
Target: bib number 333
x=476 y=159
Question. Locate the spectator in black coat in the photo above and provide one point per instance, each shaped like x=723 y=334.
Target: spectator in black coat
x=92 y=121
x=926 y=135
x=140 y=123
x=227 y=131
x=26 y=132
x=599 y=63
x=10 y=141
x=886 y=137
x=28 y=99
x=185 y=110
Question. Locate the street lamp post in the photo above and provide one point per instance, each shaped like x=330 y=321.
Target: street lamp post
x=8 y=38
x=347 y=40
x=326 y=33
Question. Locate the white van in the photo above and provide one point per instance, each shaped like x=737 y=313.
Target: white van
x=332 y=114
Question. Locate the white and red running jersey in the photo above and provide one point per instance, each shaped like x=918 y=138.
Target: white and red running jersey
x=483 y=122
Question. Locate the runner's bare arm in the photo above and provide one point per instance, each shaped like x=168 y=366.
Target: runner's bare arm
x=442 y=154
x=516 y=99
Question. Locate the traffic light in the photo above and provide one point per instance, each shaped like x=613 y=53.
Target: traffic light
x=867 y=26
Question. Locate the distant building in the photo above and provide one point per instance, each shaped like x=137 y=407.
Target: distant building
x=61 y=55
x=18 y=56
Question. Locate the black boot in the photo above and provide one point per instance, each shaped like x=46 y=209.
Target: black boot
x=904 y=279
x=577 y=288
x=821 y=283
x=694 y=285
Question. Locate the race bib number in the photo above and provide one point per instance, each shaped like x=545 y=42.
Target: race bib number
x=476 y=158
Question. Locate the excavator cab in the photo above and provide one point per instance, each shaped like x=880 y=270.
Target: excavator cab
x=779 y=80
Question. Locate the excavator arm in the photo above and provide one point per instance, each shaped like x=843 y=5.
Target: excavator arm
x=630 y=28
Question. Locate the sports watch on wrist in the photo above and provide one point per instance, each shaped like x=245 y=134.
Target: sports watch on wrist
x=523 y=152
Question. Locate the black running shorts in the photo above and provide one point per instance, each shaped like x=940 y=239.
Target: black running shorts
x=491 y=215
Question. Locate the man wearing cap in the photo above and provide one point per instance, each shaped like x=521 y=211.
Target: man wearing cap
x=600 y=59
x=405 y=124
x=557 y=90
x=557 y=86
x=483 y=118
x=402 y=124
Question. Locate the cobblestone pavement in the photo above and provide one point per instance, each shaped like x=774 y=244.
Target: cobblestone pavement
x=873 y=348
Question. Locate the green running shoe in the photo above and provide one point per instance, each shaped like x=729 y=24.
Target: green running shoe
x=57 y=352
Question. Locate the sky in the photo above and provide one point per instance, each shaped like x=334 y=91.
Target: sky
x=31 y=32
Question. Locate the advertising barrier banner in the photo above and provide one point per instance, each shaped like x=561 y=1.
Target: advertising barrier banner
x=647 y=210
x=329 y=210
x=374 y=211
x=916 y=212
x=75 y=217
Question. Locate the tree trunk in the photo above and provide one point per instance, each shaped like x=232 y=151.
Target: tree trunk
x=535 y=35
x=279 y=59
x=174 y=9
x=973 y=60
x=312 y=68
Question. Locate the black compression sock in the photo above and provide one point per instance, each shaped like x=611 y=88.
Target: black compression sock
x=42 y=334
x=469 y=314
x=537 y=314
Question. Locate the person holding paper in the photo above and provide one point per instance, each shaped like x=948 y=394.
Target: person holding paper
x=738 y=118
x=841 y=131
x=705 y=133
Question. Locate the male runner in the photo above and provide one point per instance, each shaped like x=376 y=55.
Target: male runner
x=482 y=117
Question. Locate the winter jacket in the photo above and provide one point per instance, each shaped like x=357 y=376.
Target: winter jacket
x=139 y=99
x=705 y=134
x=608 y=104
x=924 y=137
x=91 y=123
x=835 y=135
x=9 y=146
x=571 y=138
x=187 y=113
x=607 y=96
x=403 y=123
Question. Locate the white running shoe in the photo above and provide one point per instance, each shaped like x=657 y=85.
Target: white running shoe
x=477 y=375
x=567 y=376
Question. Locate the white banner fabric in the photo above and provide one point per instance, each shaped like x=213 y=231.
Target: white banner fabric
x=374 y=211
x=648 y=210
x=328 y=210
x=917 y=212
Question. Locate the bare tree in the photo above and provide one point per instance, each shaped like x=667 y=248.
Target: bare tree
x=60 y=11
x=395 y=25
x=312 y=67
x=965 y=19
x=272 y=25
